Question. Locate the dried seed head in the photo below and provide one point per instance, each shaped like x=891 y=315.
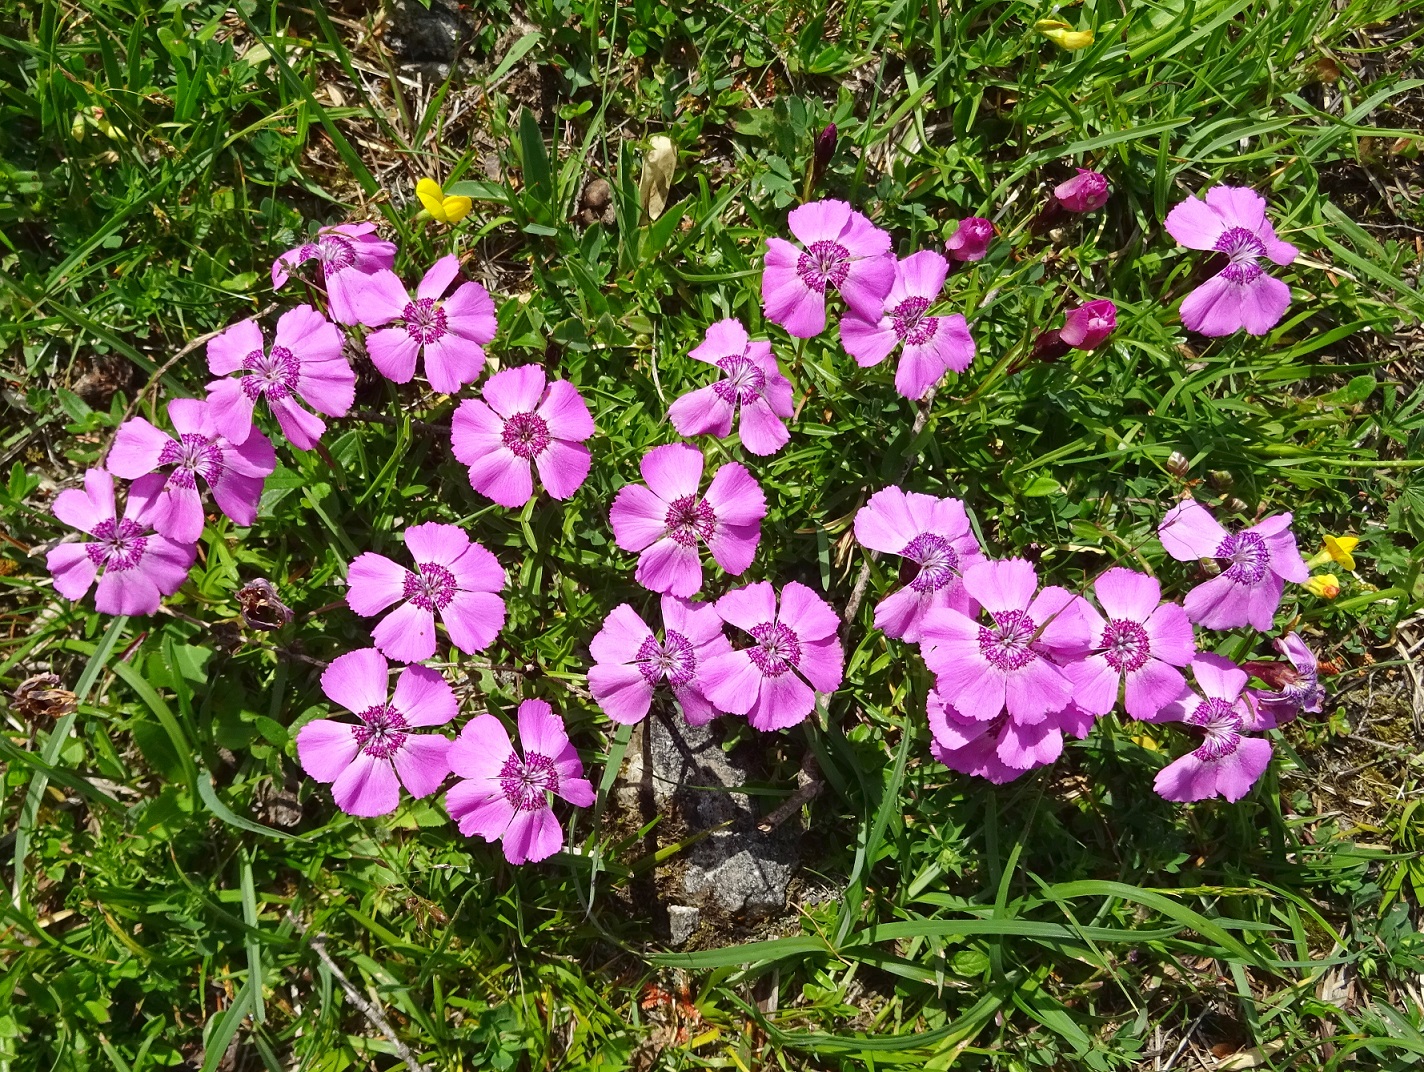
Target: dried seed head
x=43 y=697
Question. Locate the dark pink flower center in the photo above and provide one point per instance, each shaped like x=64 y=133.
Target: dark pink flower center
x=336 y=252
x=527 y=434
x=911 y=325
x=526 y=782
x=672 y=661
x=1244 y=248
x=1248 y=555
x=690 y=519
x=1221 y=724
x=424 y=320
x=382 y=731
x=273 y=374
x=777 y=648
x=118 y=545
x=1126 y=645
x=1008 y=643
x=744 y=381
x=938 y=562
x=194 y=456
x=825 y=262
x=431 y=587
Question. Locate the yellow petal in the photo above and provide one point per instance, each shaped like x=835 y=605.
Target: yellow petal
x=1325 y=585
x=1063 y=35
x=431 y=197
x=1339 y=548
x=456 y=207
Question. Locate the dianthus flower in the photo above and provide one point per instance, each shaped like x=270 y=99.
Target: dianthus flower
x=355 y=266
x=970 y=242
x=794 y=655
x=1086 y=191
x=1136 y=648
x=1232 y=221
x=1088 y=326
x=934 y=538
x=668 y=520
x=505 y=797
x=1227 y=762
x=1259 y=560
x=367 y=763
x=1014 y=663
x=1002 y=748
x=630 y=662
x=450 y=332
x=521 y=422
x=455 y=578
x=234 y=474
x=304 y=363
x=929 y=345
x=139 y=567
x=1297 y=685
x=751 y=382
x=843 y=252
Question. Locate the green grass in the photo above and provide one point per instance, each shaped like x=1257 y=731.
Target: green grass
x=153 y=161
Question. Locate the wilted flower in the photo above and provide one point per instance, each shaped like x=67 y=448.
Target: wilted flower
x=43 y=696
x=1088 y=326
x=353 y=260
x=1086 y=191
x=1297 y=684
x=751 y=384
x=260 y=606
x=451 y=208
x=843 y=252
x=970 y=242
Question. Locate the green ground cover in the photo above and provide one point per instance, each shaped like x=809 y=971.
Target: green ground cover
x=167 y=868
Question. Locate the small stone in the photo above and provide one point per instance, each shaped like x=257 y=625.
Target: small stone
x=682 y=922
x=427 y=33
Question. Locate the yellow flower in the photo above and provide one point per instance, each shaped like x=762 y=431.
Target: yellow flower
x=1063 y=35
x=1336 y=549
x=451 y=209
x=1325 y=585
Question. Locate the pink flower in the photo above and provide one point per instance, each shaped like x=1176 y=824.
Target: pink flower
x=930 y=345
x=455 y=578
x=750 y=381
x=139 y=567
x=630 y=662
x=1086 y=191
x=304 y=363
x=1226 y=763
x=367 y=763
x=1088 y=326
x=843 y=252
x=1259 y=560
x=234 y=474
x=667 y=520
x=1137 y=648
x=450 y=332
x=971 y=241
x=1232 y=221
x=504 y=797
x=355 y=265
x=795 y=655
x=518 y=423
x=1015 y=662
x=1002 y=748
x=931 y=534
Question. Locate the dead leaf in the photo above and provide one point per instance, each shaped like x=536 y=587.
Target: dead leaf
x=658 y=167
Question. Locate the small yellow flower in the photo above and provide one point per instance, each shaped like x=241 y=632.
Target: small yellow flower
x=451 y=209
x=1336 y=549
x=1325 y=585
x=1063 y=35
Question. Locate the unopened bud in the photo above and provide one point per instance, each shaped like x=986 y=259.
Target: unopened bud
x=1220 y=479
x=1048 y=347
x=1178 y=464
x=825 y=149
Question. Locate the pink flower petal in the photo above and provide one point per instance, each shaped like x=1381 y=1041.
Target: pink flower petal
x=1127 y=594
x=782 y=701
x=748 y=607
x=373 y=583
x=638 y=517
x=367 y=788
x=423 y=763
x=808 y=615
x=532 y=836
x=621 y=690
x=136 y=449
x=623 y=635
x=563 y=467
x=424 y=697
x=438 y=277
x=452 y=362
x=325 y=748
x=473 y=620
x=393 y=352
x=702 y=412
x=724 y=338
x=1188 y=532
x=73 y=570
x=477 y=812
x=762 y=431
x=406 y=634
x=1195 y=224
x=503 y=477
x=672 y=471
x=1151 y=687
x=668 y=566
x=1002 y=584
x=515 y=390
x=481 y=750
x=731 y=681
x=735 y=496
x=227 y=351
x=357 y=680
x=868 y=341
x=822 y=663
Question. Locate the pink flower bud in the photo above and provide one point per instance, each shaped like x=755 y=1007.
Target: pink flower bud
x=1086 y=191
x=825 y=149
x=1087 y=327
x=971 y=241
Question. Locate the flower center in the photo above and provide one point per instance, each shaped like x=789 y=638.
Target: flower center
x=911 y=324
x=1244 y=248
x=744 y=383
x=1125 y=645
x=336 y=252
x=273 y=374
x=1007 y=644
x=118 y=545
x=424 y=320
x=527 y=434
x=382 y=731
x=195 y=456
x=527 y=782
x=938 y=562
x=431 y=587
x=690 y=519
x=672 y=661
x=1248 y=555
x=777 y=648
x=1221 y=723
x=825 y=262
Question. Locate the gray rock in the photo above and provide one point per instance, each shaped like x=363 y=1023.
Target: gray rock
x=420 y=34
x=682 y=921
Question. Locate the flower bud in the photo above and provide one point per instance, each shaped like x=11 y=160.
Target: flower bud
x=261 y=609
x=1088 y=326
x=1084 y=192
x=1048 y=347
x=1325 y=585
x=971 y=241
x=825 y=149
x=1063 y=35
x=1221 y=479
x=1178 y=464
